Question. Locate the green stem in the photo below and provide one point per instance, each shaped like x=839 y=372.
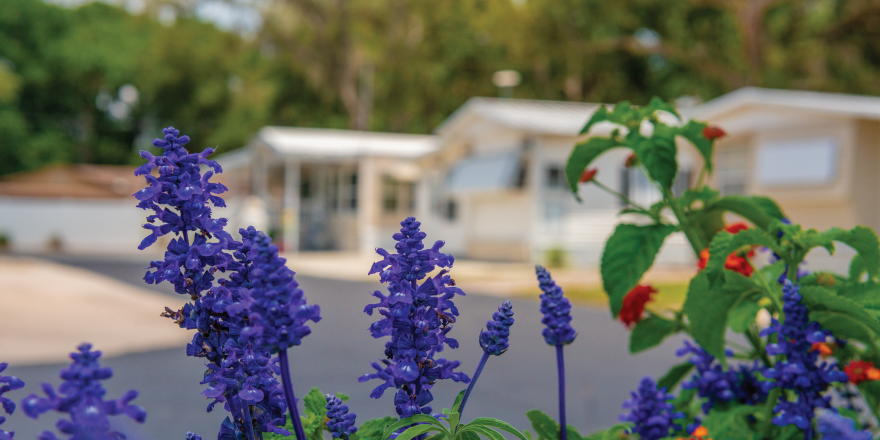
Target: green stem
x=760 y=348
x=622 y=197
x=767 y=424
x=683 y=223
x=767 y=289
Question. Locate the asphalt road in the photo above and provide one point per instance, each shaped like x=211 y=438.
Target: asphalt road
x=600 y=371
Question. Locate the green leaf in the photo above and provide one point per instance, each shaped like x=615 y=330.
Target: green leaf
x=871 y=390
x=499 y=424
x=375 y=428
x=545 y=427
x=315 y=412
x=612 y=433
x=467 y=435
x=485 y=431
x=658 y=154
x=724 y=243
x=657 y=104
x=707 y=308
x=600 y=115
x=458 y=399
x=742 y=316
x=416 y=431
x=628 y=254
x=864 y=240
x=693 y=132
x=342 y=397
x=674 y=376
x=856 y=268
x=758 y=210
x=650 y=332
x=583 y=154
x=548 y=429
x=731 y=424
x=418 y=418
x=839 y=314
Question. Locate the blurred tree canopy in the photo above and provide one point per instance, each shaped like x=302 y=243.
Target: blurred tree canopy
x=96 y=83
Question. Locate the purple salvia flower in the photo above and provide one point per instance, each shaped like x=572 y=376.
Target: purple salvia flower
x=834 y=426
x=494 y=341
x=7 y=383
x=651 y=411
x=239 y=375
x=710 y=380
x=276 y=308
x=193 y=436
x=82 y=397
x=417 y=317
x=799 y=371
x=557 y=317
x=556 y=309
x=341 y=422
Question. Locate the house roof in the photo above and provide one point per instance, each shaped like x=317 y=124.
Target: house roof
x=73 y=181
x=323 y=143
x=549 y=117
x=839 y=103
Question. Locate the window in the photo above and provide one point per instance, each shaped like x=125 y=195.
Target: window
x=797 y=161
x=731 y=170
x=398 y=196
x=342 y=190
x=556 y=177
x=635 y=186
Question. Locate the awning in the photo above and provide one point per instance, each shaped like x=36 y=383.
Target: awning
x=484 y=174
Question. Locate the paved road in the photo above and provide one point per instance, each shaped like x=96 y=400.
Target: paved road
x=600 y=371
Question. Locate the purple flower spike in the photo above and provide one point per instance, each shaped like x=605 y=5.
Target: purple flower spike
x=556 y=309
x=495 y=339
x=82 y=397
x=417 y=316
x=7 y=383
x=341 y=422
x=651 y=411
x=193 y=436
x=834 y=426
x=799 y=371
x=277 y=307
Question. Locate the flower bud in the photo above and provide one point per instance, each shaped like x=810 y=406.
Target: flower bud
x=646 y=128
x=712 y=132
x=588 y=175
x=763 y=319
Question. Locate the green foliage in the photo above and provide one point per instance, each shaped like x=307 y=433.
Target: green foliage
x=546 y=428
x=675 y=375
x=628 y=254
x=843 y=316
x=650 y=332
x=315 y=413
x=731 y=424
x=583 y=154
x=375 y=428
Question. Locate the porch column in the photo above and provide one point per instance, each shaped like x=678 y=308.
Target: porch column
x=261 y=176
x=369 y=199
x=290 y=213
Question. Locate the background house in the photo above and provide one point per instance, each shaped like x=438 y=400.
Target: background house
x=72 y=208
x=497 y=186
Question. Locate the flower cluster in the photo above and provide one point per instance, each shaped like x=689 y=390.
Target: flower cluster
x=277 y=307
x=7 y=383
x=82 y=397
x=556 y=309
x=495 y=339
x=833 y=426
x=737 y=261
x=716 y=385
x=417 y=317
x=651 y=411
x=340 y=423
x=193 y=436
x=799 y=371
x=860 y=371
x=239 y=373
x=634 y=304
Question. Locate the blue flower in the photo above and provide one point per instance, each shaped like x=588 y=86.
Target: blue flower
x=651 y=412
x=834 y=426
x=417 y=317
x=192 y=436
x=341 y=422
x=710 y=381
x=494 y=339
x=276 y=306
x=82 y=397
x=556 y=309
x=7 y=383
x=799 y=372
x=239 y=374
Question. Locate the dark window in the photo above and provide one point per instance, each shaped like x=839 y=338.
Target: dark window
x=450 y=210
x=556 y=177
x=389 y=194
